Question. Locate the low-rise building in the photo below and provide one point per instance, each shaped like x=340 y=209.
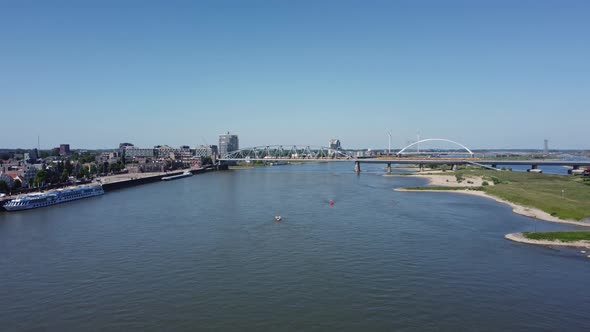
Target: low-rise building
x=109 y=157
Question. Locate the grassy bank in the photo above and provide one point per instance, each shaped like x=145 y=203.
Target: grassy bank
x=558 y=236
x=562 y=196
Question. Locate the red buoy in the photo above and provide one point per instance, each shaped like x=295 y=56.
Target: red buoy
x=331 y=203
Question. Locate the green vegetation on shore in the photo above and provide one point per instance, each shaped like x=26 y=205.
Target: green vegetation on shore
x=562 y=196
x=559 y=236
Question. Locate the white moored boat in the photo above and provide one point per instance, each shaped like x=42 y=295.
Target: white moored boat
x=173 y=177
x=31 y=201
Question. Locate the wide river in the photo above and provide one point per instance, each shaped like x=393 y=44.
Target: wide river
x=205 y=253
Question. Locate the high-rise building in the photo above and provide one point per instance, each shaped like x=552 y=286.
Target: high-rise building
x=64 y=149
x=334 y=144
x=228 y=143
x=546 y=150
x=31 y=156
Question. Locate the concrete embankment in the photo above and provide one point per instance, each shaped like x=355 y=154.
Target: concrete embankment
x=131 y=181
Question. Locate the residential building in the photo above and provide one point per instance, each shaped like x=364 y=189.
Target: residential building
x=132 y=152
x=228 y=143
x=31 y=171
x=202 y=151
x=6 y=178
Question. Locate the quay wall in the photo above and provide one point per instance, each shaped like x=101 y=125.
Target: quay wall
x=150 y=179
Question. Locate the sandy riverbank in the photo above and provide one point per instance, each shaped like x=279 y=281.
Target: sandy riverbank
x=441 y=180
x=519 y=237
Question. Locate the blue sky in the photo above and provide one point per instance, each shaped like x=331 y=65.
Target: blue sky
x=489 y=74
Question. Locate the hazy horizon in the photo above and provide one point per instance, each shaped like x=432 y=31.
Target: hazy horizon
x=490 y=75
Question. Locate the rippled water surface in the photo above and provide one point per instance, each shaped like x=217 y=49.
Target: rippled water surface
x=204 y=253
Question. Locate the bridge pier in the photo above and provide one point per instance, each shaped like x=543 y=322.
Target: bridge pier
x=388 y=168
x=575 y=170
x=357 y=167
x=534 y=169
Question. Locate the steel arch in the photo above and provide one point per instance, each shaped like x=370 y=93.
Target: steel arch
x=436 y=139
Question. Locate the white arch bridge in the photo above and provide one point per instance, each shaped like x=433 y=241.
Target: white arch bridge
x=463 y=147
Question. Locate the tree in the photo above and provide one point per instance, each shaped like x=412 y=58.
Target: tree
x=69 y=167
x=17 y=184
x=82 y=172
x=3 y=187
x=64 y=176
x=41 y=177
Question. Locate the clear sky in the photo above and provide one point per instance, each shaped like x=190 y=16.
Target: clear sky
x=489 y=74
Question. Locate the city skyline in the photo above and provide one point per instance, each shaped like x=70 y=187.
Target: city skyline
x=489 y=75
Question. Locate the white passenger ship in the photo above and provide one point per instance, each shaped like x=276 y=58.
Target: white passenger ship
x=53 y=197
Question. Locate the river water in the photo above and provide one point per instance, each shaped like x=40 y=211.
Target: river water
x=204 y=253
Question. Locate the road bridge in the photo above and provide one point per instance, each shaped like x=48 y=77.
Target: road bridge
x=308 y=153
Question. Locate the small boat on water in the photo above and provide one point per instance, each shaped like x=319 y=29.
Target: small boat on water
x=174 y=177
x=278 y=218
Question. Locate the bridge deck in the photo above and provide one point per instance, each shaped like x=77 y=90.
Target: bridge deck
x=407 y=161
